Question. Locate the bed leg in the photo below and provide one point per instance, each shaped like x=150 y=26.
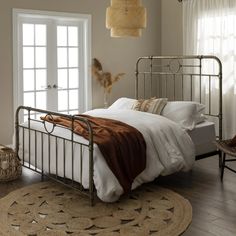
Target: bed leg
x=42 y=177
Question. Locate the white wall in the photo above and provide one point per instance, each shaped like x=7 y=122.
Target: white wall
x=171 y=27
x=116 y=55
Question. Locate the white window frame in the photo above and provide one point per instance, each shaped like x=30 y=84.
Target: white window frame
x=83 y=19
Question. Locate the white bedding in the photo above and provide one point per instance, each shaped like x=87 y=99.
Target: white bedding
x=203 y=136
x=169 y=149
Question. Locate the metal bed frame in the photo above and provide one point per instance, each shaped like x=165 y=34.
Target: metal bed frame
x=48 y=136
x=152 y=81
x=167 y=76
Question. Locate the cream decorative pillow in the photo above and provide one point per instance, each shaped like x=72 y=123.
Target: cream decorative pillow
x=152 y=105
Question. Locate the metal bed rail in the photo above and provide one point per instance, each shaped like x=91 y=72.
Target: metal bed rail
x=30 y=136
x=183 y=78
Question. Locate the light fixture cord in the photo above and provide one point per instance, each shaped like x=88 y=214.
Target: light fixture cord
x=126 y=7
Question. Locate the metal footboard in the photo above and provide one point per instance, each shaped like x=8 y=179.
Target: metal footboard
x=31 y=144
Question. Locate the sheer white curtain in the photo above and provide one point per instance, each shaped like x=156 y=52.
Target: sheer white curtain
x=210 y=29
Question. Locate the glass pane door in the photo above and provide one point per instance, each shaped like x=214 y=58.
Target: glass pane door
x=34 y=51
x=67 y=69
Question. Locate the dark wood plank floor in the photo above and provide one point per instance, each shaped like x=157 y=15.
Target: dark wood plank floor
x=213 y=202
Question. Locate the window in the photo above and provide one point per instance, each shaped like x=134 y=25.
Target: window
x=210 y=28
x=216 y=35
x=51 y=61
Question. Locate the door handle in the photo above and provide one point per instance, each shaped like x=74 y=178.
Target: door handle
x=55 y=86
x=46 y=87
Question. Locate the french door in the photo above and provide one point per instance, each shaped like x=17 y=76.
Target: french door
x=51 y=64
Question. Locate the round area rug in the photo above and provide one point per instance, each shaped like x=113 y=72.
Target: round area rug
x=49 y=208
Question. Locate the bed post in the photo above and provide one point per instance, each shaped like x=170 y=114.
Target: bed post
x=220 y=109
x=91 y=163
x=17 y=131
x=136 y=77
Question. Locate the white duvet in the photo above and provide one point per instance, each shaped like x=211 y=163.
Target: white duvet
x=169 y=149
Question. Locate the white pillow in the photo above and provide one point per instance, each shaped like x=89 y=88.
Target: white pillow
x=185 y=113
x=123 y=103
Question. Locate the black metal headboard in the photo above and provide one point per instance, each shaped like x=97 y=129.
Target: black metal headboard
x=183 y=78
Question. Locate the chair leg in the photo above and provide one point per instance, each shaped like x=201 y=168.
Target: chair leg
x=220 y=159
x=222 y=167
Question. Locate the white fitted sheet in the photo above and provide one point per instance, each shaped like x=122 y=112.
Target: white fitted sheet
x=203 y=136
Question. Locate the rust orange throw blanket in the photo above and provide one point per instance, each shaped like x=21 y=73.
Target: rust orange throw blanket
x=122 y=146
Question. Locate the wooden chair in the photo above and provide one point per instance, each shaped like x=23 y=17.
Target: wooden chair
x=226 y=149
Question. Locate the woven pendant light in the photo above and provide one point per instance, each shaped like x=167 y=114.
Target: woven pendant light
x=126 y=18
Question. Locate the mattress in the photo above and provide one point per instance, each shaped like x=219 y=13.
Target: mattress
x=203 y=136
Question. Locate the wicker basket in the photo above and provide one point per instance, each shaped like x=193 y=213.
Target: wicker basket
x=10 y=166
